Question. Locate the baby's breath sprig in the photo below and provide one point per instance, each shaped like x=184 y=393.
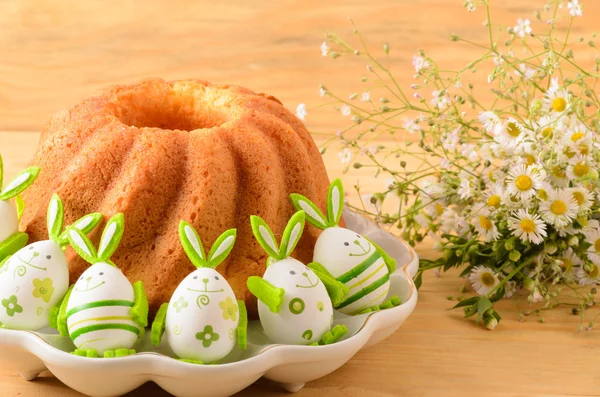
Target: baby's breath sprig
x=505 y=184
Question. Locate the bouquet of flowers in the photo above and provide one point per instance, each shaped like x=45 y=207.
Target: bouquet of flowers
x=509 y=189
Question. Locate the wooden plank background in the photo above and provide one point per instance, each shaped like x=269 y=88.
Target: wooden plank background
x=54 y=53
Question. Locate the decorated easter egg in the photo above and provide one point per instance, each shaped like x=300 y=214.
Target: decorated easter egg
x=98 y=311
x=306 y=313
x=357 y=263
x=9 y=222
x=202 y=317
x=32 y=281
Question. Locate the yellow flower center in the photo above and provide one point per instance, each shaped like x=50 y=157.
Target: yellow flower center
x=530 y=159
x=597 y=245
x=569 y=152
x=513 y=130
x=494 y=201
x=485 y=222
x=558 y=207
x=557 y=172
x=584 y=149
x=581 y=169
x=577 y=136
x=547 y=132
x=439 y=209
x=487 y=279
x=527 y=225
x=594 y=272
x=559 y=104
x=579 y=197
x=523 y=182
x=542 y=194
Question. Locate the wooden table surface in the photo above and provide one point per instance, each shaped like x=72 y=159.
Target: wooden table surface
x=58 y=52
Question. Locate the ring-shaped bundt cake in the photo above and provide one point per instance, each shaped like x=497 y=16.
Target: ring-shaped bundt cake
x=164 y=151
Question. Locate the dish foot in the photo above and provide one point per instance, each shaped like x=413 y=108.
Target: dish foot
x=30 y=375
x=293 y=387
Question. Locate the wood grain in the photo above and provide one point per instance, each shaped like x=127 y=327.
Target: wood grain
x=58 y=52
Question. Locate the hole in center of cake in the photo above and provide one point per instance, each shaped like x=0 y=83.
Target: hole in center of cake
x=172 y=111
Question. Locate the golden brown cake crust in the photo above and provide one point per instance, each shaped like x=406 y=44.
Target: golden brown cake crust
x=164 y=151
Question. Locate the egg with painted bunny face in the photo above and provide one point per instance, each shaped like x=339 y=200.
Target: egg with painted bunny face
x=348 y=257
x=98 y=311
x=357 y=263
x=32 y=281
x=306 y=313
x=203 y=317
x=203 y=320
x=36 y=277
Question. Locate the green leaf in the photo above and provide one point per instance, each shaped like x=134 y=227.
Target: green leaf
x=314 y=216
x=190 y=241
x=263 y=234
x=292 y=233
x=242 y=328
x=466 y=302
x=483 y=305
x=20 y=183
x=418 y=280
x=335 y=202
x=221 y=248
x=20 y=203
x=499 y=294
x=158 y=326
x=55 y=217
x=111 y=236
x=82 y=245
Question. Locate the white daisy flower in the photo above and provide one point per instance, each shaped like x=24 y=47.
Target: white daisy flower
x=522 y=182
x=411 y=126
x=583 y=197
x=322 y=91
x=483 y=279
x=434 y=208
x=301 y=111
x=558 y=176
x=365 y=97
x=510 y=134
x=575 y=8
x=485 y=226
x=569 y=260
x=423 y=221
x=345 y=110
x=578 y=168
x=593 y=237
x=345 y=156
x=464 y=191
x=470 y=6
x=510 y=288
x=560 y=209
x=440 y=101
x=527 y=227
x=419 y=63
x=545 y=190
x=588 y=277
x=525 y=71
x=522 y=27
x=493 y=195
x=556 y=101
x=324 y=49
x=491 y=122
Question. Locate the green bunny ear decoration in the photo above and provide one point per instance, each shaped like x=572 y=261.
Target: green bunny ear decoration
x=190 y=241
x=111 y=237
x=292 y=233
x=82 y=245
x=86 y=224
x=55 y=218
x=335 y=202
x=263 y=234
x=314 y=216
x=20 y=203
x=221 y=248
x=20 y=183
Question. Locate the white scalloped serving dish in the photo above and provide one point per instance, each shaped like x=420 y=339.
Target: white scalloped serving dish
x=30 y=353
